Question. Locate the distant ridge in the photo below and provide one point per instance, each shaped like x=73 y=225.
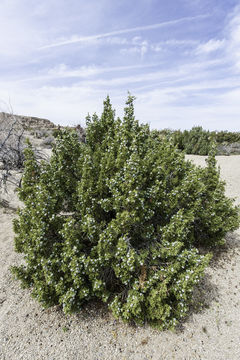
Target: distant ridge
x=27 y=122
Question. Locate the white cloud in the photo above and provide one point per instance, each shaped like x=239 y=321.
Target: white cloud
x=85 y=73
x=62 y=105
x=210 y=46
x=233 y=31
x=116 y=40
x=197 y=85
x=154 y=108
x=79 y=39
x=162 y=107
x=164 y=99
x=136 y=40
x=229 y=44
x=63 y=70
x=141 y=47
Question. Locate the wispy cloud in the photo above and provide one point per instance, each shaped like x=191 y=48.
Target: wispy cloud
x=184 y=68
x=78 y=39
x=210 y=46
x=228 y=44
x=62 y=71
x=233 y=29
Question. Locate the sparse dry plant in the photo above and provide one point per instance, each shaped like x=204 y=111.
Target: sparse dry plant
x=11 y=148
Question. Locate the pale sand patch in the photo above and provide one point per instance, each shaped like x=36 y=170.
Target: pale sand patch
x=229 y=170
x=29 y=332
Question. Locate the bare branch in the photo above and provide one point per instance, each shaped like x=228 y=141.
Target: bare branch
x=11 y=149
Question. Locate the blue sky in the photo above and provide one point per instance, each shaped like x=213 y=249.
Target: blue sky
x=59 y=59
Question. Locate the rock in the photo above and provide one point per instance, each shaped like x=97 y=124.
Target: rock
x=48 y=142
x=228 y=149
x=28 y=122
x=81 y=133
x=223 y=149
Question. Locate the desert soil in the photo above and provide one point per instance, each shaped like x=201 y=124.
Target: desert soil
x=211 y=331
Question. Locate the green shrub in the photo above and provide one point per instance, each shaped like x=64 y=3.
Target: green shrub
x=197 y=141
x=56 y=132
x=119 y=218
x=227 y=137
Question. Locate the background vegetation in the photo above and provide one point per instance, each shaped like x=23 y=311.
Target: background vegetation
x=198 y=141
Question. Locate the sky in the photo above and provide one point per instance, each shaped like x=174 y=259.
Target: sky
x=59 y=59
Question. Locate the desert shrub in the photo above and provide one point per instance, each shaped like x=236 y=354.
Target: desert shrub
x=119 y=218
x=196 y=141
x=11 y=142
x=11 y=152
x=227 y=137
x=56 y=132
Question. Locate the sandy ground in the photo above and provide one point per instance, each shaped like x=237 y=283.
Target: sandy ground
x=211 y=331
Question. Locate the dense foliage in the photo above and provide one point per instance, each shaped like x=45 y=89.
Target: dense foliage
x=227 y=137
x=197 y=141
x=119 y=218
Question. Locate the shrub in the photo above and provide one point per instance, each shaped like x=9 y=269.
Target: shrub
x=195 y=141
x=56 y=132
x=227 y=137
x=11 y=153
x=11 y=142
x=119 y=218
x=198 y=141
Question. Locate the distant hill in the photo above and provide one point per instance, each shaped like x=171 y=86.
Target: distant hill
x=28 y=122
